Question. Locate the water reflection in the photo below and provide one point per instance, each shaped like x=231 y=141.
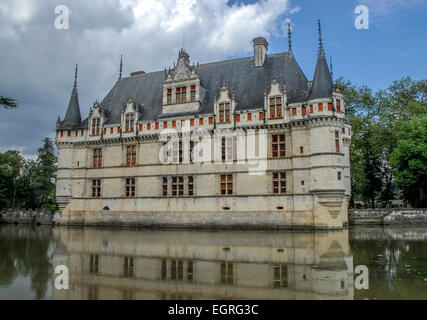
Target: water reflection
x=181 y=264
x=135 y=264
x=25 y=252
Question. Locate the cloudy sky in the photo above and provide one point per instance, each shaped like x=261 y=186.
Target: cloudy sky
x=37 y=60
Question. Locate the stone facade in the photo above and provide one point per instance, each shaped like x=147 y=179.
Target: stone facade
x=136 y=160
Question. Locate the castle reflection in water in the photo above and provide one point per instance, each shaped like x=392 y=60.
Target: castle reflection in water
x=175 y=264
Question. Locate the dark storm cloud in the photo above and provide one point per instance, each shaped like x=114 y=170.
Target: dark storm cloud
x=37 y=61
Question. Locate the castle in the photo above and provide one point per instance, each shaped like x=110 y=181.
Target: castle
x=244 y=143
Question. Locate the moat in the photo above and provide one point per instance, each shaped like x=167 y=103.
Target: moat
x=186 y=264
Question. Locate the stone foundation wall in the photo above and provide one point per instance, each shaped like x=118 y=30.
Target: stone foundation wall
x=35 y=217
x=387 y=216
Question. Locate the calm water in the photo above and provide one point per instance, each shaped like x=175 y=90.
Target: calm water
x=178 y=264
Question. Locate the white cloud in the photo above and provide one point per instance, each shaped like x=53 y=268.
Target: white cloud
x=37 y=67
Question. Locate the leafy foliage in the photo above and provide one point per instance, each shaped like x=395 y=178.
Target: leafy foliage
x=8 y=103
x=28 y=184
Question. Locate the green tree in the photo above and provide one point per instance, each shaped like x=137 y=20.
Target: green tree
x=10 y=166
x=409 y=160
x=43 y=180
x=8 y=103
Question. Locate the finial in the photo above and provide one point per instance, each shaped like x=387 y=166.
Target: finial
x=121 y=68
x=332 y=70
x=321 y=51
x=290 y=37
x=75 y=76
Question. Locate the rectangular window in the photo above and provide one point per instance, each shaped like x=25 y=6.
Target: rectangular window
x=249 y=116
x=337 y=141
x=201 y=121
x=165 y=187
x=177 y=154
x=157 y=125
x=148 y=126
x=339 y=105
x=190 y=186
x=224 y=112
x=238 y=118
x=128 y=267
x=261 y=115
x=97 y=158
x=280 y=276
x=301 y=149
x=83 y=133
x=174 y=124
x=69 y=133
x=165 y=124
x=275 y=107
x=227 y=273
x=226 y=149
x=193 y=93
x=181 y=95
x=112 y=130
x=294 y=111
x=131 y=155
x=311 y=108
x=130 y=187
x=129 y=122
x=140 y=127
x=118 y=129
x=320 y=107
x=226 y=185
x=279 y=182
x=330 y=106
x=96 y=188
x=105 y=131
x=93 y=263
x=339 y=175
x=192 y=122
x=177 y=186
x=304 y=111
x=95 y=126
x=169 y=97
x=62 y=133
x=278 y=146
x=210 y=120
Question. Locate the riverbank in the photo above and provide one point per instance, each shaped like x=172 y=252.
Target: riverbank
x=34 y=217
x=392 y=216
x=356 y=217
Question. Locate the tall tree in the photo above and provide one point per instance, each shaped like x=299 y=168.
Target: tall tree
x=409 y=160
x=43 y=181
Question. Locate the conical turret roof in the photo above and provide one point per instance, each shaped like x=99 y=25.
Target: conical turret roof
x=322 y=81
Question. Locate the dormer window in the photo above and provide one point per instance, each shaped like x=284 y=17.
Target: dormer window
x=275 y=107
x=129 y=122
x=193 y=93
x=224 y=112
x=169 y=96
x=96 y=122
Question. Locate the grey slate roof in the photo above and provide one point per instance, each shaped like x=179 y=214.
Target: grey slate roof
x=322 y=81
x=240 y=75
x=72 y=117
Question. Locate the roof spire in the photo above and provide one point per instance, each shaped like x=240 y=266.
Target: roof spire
x=290 y=37
x=330 y=64
x=121 y=68
x=75 y=76
x=321 y=51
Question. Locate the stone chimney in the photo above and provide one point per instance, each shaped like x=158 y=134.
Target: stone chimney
x=260 y=51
